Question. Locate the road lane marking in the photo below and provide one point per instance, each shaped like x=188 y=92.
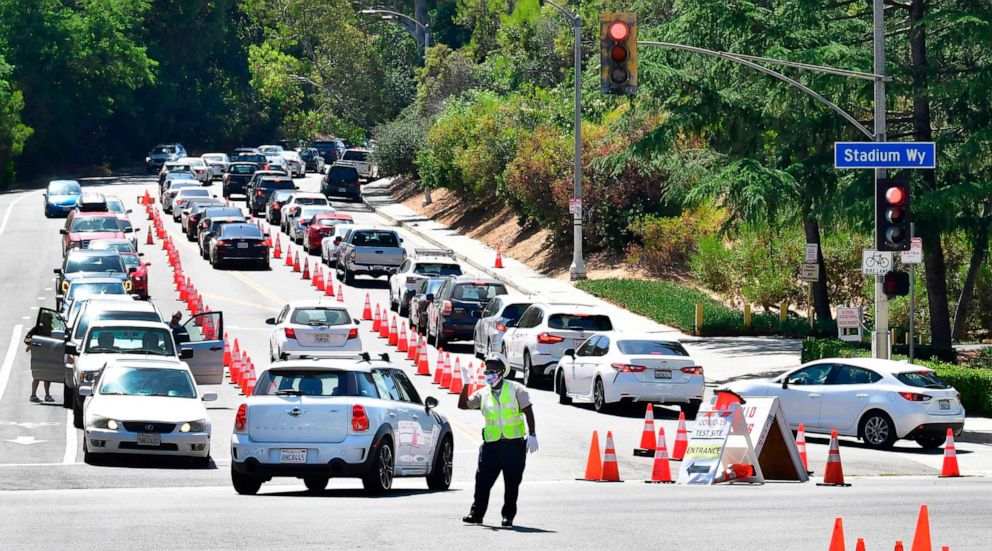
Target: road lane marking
x=262 y=290
x=26 y=440
x=8 y=360
x=69 y=457
x=230 y=300
x=10 y=209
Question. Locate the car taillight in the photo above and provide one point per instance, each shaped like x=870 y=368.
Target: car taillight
x=914 y=397
x=221 y=242
x=411 y=279
x=628 y=368
x=258 y=193
x=545 y=338
x=353 y=334
x=359 y=419
x=203 y=225
x=241 y=418
x=501 y=327
x=290 y=333
x=446 y=308
x=276 y=206
x=694 y=370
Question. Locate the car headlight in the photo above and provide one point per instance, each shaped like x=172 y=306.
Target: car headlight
x=105 y=423
x=194 y=426
x=148 y=159
x=127 y=285
x=65 y=287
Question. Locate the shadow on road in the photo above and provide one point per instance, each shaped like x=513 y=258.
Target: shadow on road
x=149 y=462
x=521 y=529
x=352 y=492
x=909 y=447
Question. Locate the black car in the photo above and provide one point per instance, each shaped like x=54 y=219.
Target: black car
x=313 y=159
x=79 y=264
x=209 y=226
x=419 y=303
x=239 y=242
x=237 y=177
x=331 y=149
x=342 y=181
x=273 y=207
x=206 y=211
x=260 y=190
x=457 y=307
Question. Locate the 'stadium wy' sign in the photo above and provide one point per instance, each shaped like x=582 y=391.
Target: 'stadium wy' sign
x=918 y=155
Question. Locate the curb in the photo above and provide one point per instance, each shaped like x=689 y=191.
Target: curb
x=975 y=437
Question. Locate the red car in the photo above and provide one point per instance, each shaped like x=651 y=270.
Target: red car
x=83 y=227
x=320 y=226
x=139 y=277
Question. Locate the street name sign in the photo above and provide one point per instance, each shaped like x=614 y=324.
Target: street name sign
x=891 y=155
x=915 y=253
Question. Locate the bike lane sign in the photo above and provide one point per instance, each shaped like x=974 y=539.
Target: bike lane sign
x=875 y=263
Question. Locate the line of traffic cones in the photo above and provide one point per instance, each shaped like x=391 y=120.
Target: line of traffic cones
x=602 y=468
x=921 y=536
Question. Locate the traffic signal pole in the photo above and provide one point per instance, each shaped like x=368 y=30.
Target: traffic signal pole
x=578 y=268
x=880 y=345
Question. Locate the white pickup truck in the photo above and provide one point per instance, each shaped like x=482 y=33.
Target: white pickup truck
x=359 y=158
x=373 y=252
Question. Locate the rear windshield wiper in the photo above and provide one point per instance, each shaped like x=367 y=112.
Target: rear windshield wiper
x=288 y=392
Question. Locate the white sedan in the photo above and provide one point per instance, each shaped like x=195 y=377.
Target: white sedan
x=146 y=406
x=630 y=367
x=879 y=401
x=313 y=326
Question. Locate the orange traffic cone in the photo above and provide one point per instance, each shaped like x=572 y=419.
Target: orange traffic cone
x=422 y=365
x=801 y=446
x=898 y=546
x=296 y=262
x=393 y=336
x=376 y=320
x=456 y=380
x=315 y=275
x=367 y=311
x=412 y=349
x=611 y=469
x=384 y=327
x=289 y=256
x=340 y=293
x=472 y=380
x=227 y=352
x=499 y=259
x=328 y=285
x=648 y=444
x=306 y=268
x=921 y=539
x=661 y=472
x=277 y=253
x=446 y=375
x=148 y=238
x=594 y=465
x=837 y=539
x=860 y=546
x=950 y=468
x=834 y=473
x=681 y=440
x=318 y=278
x=402 y=342
x=439 y=366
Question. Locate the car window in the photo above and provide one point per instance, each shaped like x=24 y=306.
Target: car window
x=320 y=316
x=922 y=379
x=580 y=322
x=94 y=263
x=241 y=169
x=354 y=156
x=404 y=267
x=95 y=224
x=514 y=311
x=651 y=348
x=850 y=375
x=155 y=341
x=385 y=384
x=343 y=173
x=531 y=317
x=92 y=316
x=588 y=348
x=477 y=291
x=48 y=324
x=310 y=383
x=147 y=381
x=64 y=188
x=241 y=230
x=491 y=308
x=375 y=238
x=204 y=327
x=406 y=388
x=602 y=346
x=282 y=314
x=87 y=289
x=812 y=375
x=438 y=269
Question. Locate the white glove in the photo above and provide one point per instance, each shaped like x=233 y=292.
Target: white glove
x=531 y=443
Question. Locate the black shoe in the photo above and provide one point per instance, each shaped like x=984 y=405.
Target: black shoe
x=507 y=522
x=471 y=520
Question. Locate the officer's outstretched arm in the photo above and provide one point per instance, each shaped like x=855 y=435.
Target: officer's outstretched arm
x=529 y=414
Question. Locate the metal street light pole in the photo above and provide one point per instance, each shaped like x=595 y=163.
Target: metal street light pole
x=880 y=337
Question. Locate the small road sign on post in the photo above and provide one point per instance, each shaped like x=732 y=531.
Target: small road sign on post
x=809 y=272
x=575 y=206
x=885 y=155
x=812 y=251
x=875 y=263
x=915 y=253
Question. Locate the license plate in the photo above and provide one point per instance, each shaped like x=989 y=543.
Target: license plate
x=293 y=455
x=662 y=374
x=945 y=404
x=342 y=189
x=242 y=245
x=146 y=439
x=322 y=338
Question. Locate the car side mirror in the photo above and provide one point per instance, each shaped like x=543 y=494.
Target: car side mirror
x=128 y=230
x=209 y=397
x=430 y=403
x=131 y=270
x=64 y=231
x=128 y=211
x=185 y=353
x=141 y=254
x=71 y=349
x=357 y=321
x=430 y=297
x=135 y=297
x=570 y=352
x=148 y=263
x=135 y=230
x=270 y=321
x=785 y=383
x=85 y=390
x=57 y=271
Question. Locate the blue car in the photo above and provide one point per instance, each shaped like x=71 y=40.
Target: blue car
x=61 y=197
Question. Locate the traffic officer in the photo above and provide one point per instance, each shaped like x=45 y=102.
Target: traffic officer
x=506 y=440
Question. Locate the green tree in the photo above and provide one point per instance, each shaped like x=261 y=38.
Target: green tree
x=13 y=132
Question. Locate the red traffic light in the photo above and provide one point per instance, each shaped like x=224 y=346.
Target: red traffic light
x=619 y=31
x=618 y=53
x=895 y=196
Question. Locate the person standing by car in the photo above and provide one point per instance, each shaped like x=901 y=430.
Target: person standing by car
x=179 y=333
x=34 y=382
x=506 y=440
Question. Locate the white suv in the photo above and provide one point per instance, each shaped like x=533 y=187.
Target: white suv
x=308 y=326
x=538 y=340
x=353 y=417
x=300 y=199
x=425 y=264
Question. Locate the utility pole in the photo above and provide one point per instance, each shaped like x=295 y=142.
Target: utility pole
x=880 y=345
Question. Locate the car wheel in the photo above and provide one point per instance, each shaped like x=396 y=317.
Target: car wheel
x=77 y=412
x=439 y=341
x=599 y=397
x=349 y=279
x=440 y=476
x=563 y=398
x=379 y=479
x=88 y=457
x=691 y=409
x=67 y=396
x=315 y=484
x=393 y=305
x=877 y=430
x=929 y=442
x=529 y=377
x=245 y=484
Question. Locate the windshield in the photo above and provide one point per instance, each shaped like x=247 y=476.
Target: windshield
x=307 y=213
x=311 y=201
x=373 y=238
x=178 y=169
x=328 y=222
x=580 y=322
x=131 y=260
x=651 y=348
x=275 y=184
x=147 y=381
x=155 y=341
x=92 y=224
x=64 y=188
x=105 y=315
x=478 y=292
x=242 y=169
x=922 y=379
x=107 y=245
x=437 y=269
x=115 y=205
x=194 y=192
x=343 y=173
x=214 y=157
x=315 y=383
x=320 y=316
x=355 y=156
x=94 y=263
x=85 y=290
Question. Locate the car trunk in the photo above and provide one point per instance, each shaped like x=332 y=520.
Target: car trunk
x=378 y=256
x=322 y=335
x=944 y=401
x=662 y=369
x=291 y=418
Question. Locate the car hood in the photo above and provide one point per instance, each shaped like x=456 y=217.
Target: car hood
x=78 y=275
x=63 y=199
x=77 y=236
x=148 y=408
x=91 y=362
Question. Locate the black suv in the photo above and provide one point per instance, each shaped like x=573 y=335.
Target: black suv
x=313 y=159
x=341 y=181
x=457 y=307
x=331 y=149
x=261 y=189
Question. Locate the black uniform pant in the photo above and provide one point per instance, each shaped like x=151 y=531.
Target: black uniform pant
x=508 y=457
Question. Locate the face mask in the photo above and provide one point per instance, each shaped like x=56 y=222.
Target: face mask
x=493 y=379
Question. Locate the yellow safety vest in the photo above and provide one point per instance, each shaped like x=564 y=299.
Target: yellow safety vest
x=503 y=417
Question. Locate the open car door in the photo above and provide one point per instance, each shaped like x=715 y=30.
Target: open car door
x=206 y=341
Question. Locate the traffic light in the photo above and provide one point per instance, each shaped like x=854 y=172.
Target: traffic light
x=892 y=215
x=896 y=283
x=618 y=52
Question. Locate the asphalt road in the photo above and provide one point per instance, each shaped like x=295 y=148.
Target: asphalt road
x=41 y=469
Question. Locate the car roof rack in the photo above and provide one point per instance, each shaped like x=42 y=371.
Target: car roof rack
x=434 y=252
